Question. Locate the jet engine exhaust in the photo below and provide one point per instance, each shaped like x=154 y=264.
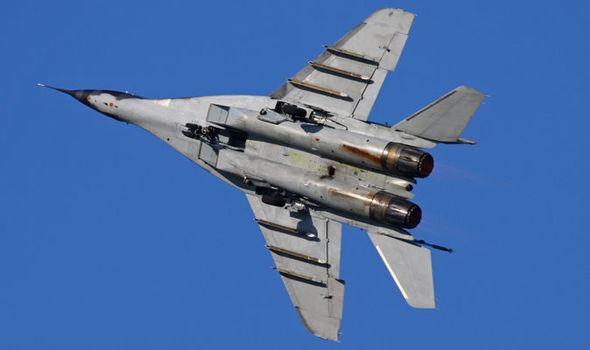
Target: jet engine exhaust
x=407 y=160
x=395 y=211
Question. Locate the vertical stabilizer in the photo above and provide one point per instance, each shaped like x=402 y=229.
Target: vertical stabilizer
x=445 y=119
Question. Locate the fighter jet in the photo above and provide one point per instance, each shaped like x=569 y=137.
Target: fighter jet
x=308 y=161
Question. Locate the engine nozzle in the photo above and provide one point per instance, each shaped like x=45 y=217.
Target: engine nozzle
x=407 y=160
x=395 y=211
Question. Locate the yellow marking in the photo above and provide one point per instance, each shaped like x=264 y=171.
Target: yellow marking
x=163 y=102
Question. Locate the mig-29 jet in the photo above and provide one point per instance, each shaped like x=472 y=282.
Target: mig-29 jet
x=308 y=160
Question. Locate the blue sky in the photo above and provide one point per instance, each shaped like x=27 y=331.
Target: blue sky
x=109 y=239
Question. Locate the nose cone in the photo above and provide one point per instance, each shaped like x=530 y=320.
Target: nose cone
x=80 y=95
x=114 y=104
x=86 y=96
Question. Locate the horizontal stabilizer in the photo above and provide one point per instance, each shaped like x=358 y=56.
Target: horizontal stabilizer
x=411 y=268
x=445 y=119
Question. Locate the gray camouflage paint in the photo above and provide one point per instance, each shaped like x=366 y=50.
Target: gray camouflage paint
x=329 y=169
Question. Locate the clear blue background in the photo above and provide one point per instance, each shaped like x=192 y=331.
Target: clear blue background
x=111 y=240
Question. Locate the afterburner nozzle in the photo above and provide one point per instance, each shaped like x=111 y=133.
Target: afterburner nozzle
x=393 y=210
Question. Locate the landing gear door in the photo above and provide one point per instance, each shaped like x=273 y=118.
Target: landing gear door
x=208 y=154
x=217 y=114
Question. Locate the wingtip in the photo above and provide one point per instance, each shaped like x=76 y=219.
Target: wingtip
x=41 y=85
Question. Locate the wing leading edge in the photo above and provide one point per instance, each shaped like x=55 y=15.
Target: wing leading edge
x=347 y=77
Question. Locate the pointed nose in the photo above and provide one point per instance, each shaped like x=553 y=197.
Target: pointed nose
x=80 y=95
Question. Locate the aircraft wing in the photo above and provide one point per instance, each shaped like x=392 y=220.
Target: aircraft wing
x=347 y=77
x=306 y=251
